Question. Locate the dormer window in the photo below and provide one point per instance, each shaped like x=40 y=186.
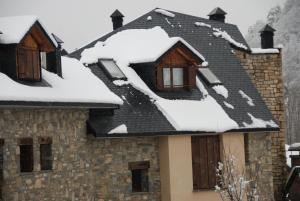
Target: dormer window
x=111 y=68
x=173 y=77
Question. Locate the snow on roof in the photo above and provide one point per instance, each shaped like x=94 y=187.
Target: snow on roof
x=249 y=100
x=120 y=129
x=134 y=46
x=288 y=154
x=14 y=28
x=202 y=24
x=259 y=123
x=226 y=36
x=66 y=89
x=220 y=89
x=164 y=12
x=264 y=51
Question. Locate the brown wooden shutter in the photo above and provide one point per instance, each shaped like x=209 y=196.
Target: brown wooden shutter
x=205 y=156
x=159 y=78
x=191 y=77
x=28 y=64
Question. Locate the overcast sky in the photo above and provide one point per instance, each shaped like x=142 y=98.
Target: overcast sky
x=77 y=22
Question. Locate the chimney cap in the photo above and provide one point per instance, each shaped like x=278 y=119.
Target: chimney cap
x=117 y=13
x=57 y=39
x=267 y=28
x=217 y=11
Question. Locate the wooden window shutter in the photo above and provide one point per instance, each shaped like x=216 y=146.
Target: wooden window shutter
x=191 y=70
x=205 y=157
x=159 y=78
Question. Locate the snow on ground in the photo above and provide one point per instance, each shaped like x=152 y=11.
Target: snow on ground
x=164 y=12
x=220 y=89
x=264 y=51
x=66 y=89
x=201 y=24
x=228 y=105
x=288 y=154
x=120 y=129
x=14 y=28
x=140 y=45
x=249 y=100
x=259 y=123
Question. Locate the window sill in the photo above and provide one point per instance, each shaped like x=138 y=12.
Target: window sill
x=35 y=172
x=139 y=193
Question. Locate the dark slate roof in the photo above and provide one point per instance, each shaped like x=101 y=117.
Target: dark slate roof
x=57 y=39
x=141 y=116
x=117 y=13
x=217 y=11
x=267 y=28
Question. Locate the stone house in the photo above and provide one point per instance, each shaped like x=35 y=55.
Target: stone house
x=169 y=96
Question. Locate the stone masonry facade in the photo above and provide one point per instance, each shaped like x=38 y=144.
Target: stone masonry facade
x=265 y=70
x=84 y=168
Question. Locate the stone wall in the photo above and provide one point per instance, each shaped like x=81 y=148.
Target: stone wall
x=84 y=168
x=265 y=70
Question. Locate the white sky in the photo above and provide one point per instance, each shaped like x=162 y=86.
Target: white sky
x=77 y=22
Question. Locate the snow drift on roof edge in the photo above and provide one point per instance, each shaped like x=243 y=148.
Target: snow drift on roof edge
x=78 y=84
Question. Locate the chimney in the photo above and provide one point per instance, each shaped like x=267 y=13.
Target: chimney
x=267 y=37
x=117 y=19
x=217 y=14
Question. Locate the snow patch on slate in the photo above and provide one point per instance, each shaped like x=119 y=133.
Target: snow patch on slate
x=228 y=105
x=149 y=18
x=226 y=36
x=249 y=100
x=259 y=123
x=202 y=24
x=66 y=89
x=221 y=90
x=120 y=129
x=164 y=12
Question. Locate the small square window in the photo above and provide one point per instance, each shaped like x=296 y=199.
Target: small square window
x=173 y=77
x=112 y=69
x=139 y=176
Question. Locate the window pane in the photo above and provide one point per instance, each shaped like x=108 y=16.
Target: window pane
x=112 y=69
x=177 y=77
x=167 y=77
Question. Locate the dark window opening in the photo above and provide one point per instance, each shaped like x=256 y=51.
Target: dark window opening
x=139 y=176
x=205 y=158
x=26 y=156
x=46 y=156
x=173 y=77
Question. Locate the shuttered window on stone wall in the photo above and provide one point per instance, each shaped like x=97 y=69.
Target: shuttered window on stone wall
x=26 y=155
x=139 y=176
x=46 y=153
x=205 y=158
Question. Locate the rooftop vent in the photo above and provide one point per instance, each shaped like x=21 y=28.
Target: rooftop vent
x=267 y=37
x=217 y=14
x=117 y=19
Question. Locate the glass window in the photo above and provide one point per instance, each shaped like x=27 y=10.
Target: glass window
x=46 y=156
x=178 y=77
x=209 y=76
x=167 y=77
x=112 y=68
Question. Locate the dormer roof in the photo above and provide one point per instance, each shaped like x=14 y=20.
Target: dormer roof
x=217 y=11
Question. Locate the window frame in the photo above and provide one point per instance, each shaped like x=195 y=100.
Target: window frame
x=141 y=167
x=205 y=163
x=172 y=87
